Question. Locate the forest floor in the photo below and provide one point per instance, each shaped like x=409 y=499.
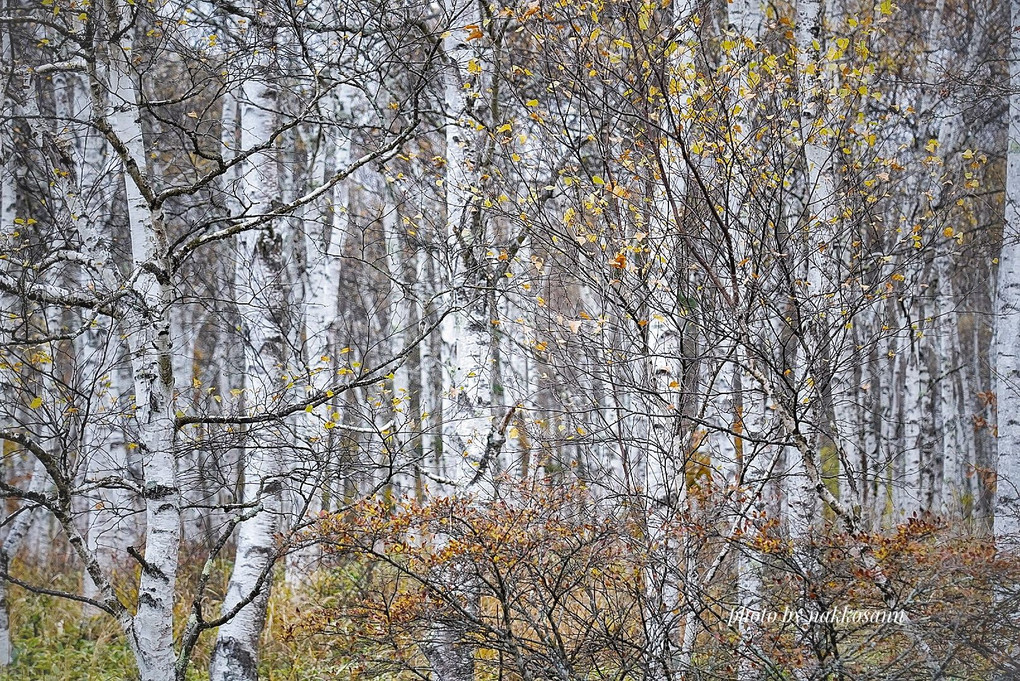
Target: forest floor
x=55 y=639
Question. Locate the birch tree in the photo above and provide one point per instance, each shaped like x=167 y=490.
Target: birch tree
x=687 y=304
x=1007 y=320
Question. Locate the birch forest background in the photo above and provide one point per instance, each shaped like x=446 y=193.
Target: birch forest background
x=566 y=339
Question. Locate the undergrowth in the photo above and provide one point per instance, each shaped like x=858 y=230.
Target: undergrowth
x=55 y=639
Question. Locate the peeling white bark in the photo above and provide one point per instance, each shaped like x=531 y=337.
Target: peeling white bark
x=264 y=318
x=1007 y=322
x=466 y=333
x=151 y=629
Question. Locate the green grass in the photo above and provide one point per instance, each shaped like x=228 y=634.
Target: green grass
x=53 y=640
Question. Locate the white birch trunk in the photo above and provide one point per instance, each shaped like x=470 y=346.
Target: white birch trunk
x=150 y=631
x=665 y=488
x=111 y=528
x=818 y=204
x=8 y=175
x=749 y=564
x=154 y=389
x=673 y=622
x=953 y=483
x=16 y=534
x=235 y=656
x=465 y=348
x=103 y=444
x=465 y=333
x=228 y=353
x=909 y=484
x=325 y=251
x=820 y=195
x=432 y=420
x=325 y=235
x=1007 y=322
x=397 y=333
x=887 y=376
x=745 y=19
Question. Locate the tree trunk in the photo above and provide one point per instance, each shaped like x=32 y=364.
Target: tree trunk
x=16 y=533
x=151 y=631
x=1007 y=322
x=264 y=313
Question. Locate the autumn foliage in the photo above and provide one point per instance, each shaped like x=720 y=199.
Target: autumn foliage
x=554 y=582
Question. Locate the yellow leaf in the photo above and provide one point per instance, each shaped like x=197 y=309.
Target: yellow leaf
x=531 y=102
x=36 y=403
x=644 y=19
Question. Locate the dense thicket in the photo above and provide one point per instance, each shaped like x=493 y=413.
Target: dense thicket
x=538 y=339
